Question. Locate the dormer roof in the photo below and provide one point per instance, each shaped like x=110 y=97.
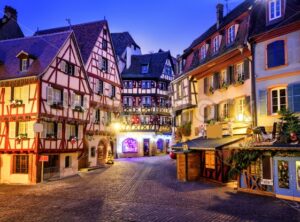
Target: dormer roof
x=43 y=48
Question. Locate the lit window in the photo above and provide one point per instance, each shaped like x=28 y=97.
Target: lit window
x=224 y=77
x=145 y=68
x=241 y=109
x=210 y=159
x=216 y=44
x=22 y=129
x=203 y=52
x=24 y=65
x=278 y=99
x=276 y=54
x=146 y=84
x=128 y=84
x=146 y=101
x=73 y=130
x=77 y=100
x=274 y=9
x=57 y=96
x=240 y=72
x=17 y=93
x=231 y=34
x=20 y=164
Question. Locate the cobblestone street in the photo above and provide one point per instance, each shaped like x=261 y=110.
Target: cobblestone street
x=143 y=189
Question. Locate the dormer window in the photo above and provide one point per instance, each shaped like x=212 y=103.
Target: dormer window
x=145 y=68
x=25 y=60
x=274 y=9
x=24 y=65
x=231 y=34
x=203 y=52
x=216 y=44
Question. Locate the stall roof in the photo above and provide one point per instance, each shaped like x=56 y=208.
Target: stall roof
x=281 y=147
x=208 y=144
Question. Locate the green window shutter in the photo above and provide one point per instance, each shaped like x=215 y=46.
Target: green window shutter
x=205 y=85
x=263 y=102
x=246 y=69
x=230 y=73
x=216 y=112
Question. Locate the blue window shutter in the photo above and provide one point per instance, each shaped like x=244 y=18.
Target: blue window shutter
x=276 y=55
x=290 y=98
x=294 y=97
x=262 y=98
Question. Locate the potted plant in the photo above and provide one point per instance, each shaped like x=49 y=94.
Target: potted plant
x=224 y=85
x=291 y=127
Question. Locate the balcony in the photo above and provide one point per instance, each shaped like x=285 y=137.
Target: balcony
x=147 y=110
x=164 y=128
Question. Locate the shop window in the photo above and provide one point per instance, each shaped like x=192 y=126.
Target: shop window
x=278 y=100
x=283 y=174
x=130 y=145
x=210 y=160
x=298 y=174
x=20 y=164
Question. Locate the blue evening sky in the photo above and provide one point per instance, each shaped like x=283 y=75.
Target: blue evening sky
x=154 y=24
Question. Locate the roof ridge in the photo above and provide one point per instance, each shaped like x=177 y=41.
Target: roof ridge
x=76 y=25
x=36 y=36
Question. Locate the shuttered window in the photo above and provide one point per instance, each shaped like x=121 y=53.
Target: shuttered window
x=278 y=100
x=275 y=54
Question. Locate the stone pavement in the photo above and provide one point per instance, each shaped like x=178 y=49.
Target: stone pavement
x=137 y=189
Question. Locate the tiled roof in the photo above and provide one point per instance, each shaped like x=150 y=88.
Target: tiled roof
x=258 y=17
x=156 y=62
x=202 y=143
x=86 y=35
x=9 y=29
x=236 y=12
x=121 y=41
x=42 y=48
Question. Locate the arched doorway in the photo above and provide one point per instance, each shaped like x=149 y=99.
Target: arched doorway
x=102 y=153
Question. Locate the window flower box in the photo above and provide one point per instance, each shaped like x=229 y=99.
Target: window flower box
x=16 y=102
x=224 y=86
x=73 y=139
x=211 y=90
x=57 y=105
x=79 y=109
x=240 y=80
x=51 y=136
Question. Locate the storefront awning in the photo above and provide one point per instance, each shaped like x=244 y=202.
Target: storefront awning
x=207 y=144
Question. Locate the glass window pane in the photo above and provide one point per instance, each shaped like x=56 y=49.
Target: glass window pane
x=283 y=174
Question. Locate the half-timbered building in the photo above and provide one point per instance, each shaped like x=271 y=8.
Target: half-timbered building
x=44 y=110
x=125 y=47
x=146 y=127
x=100 y=63
x=220 y=62
x=275 y=38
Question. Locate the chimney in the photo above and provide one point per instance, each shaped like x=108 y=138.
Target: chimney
x=10 y=12
x=220 y=11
